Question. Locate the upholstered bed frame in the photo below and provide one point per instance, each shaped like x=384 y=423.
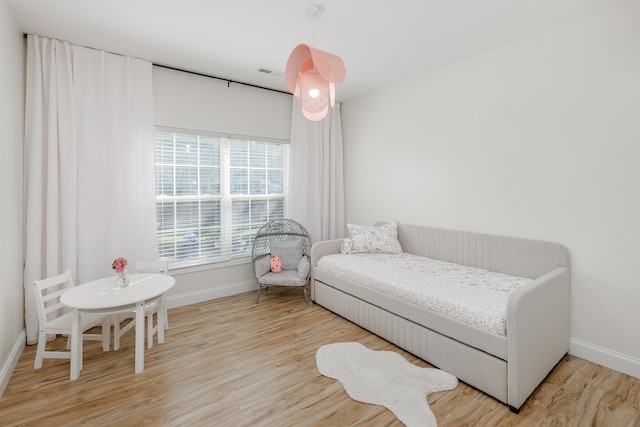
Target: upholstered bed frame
x=509 y=367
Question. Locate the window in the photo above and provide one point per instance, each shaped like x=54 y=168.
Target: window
x=214 y=191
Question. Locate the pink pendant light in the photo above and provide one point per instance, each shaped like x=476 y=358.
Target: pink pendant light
x=311 y=75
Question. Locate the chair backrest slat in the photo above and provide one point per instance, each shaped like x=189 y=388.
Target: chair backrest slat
x=53 y=295
x=55 y=307
x=47 y=293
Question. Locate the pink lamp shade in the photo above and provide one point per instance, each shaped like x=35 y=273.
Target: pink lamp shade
x=311 y=75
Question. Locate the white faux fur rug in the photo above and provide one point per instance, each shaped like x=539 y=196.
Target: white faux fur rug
x=384 y=378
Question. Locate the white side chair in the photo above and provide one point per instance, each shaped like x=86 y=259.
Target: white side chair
x=54 y=318
x=149 y=309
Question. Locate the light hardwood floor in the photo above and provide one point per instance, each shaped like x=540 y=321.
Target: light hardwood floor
x=230 y=362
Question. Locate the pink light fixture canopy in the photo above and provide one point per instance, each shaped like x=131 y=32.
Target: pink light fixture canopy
x=311 y=75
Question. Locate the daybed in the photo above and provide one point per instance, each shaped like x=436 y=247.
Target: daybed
x=507 y=363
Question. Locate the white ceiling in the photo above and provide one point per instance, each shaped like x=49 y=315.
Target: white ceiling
x=380 y=41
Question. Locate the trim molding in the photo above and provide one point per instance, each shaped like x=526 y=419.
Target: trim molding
x=605 y=357
x=12 y=361
x=194 y=297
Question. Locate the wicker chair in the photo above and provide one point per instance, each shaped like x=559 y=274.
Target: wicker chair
x=291 y=242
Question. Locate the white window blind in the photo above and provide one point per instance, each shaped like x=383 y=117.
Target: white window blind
x=214 y=191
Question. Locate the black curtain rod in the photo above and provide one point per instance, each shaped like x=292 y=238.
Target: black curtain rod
x=229 y=81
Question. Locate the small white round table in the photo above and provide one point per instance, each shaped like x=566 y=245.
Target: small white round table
x=103 y=296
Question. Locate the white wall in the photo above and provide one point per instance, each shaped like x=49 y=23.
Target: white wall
x=538 y=139
x=12 y=71
x=190 y=101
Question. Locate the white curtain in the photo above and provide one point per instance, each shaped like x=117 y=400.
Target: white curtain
x=90 y=195
x=316 y=182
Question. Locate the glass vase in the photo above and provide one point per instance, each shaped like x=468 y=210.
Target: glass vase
x=122 y=279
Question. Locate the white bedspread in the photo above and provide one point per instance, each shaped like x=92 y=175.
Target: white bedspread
x=469 y=294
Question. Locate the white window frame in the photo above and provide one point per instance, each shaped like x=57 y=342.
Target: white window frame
x=225 y=197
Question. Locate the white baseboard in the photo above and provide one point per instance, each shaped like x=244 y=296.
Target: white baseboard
x=211 y=293
x=605 y=357
x=12 y=361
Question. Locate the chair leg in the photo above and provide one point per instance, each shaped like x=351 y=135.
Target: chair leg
x=116 y=332
x=306 y=299
x=106 y=334
x=150 y=330
x=166 y=316
x=42 y=343
x=259 y=290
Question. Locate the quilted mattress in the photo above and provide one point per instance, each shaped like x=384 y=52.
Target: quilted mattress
x=471 y=295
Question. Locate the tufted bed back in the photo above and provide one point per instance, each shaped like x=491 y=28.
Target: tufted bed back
x=509 y=255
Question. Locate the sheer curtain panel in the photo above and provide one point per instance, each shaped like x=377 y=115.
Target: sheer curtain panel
x=316 y=183
x=90 y=195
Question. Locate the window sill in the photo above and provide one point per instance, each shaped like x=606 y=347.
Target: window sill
x=196 y=267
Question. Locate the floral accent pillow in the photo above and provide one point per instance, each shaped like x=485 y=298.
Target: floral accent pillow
x=382 y=239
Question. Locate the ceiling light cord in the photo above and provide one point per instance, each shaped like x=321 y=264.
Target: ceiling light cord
x=314 y=12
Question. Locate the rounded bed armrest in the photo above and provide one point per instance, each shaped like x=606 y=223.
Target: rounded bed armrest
x=326 y=247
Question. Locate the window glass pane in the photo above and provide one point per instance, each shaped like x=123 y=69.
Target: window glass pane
x=274 y=156
x=209 y=180
x=239 y=154
x=186 y=149
x=164 y=180
x=210 y=242
x=188 y=215
x=210 y=213
x=167 y=245
x=259 y=212
x=242 y=239
x=209 y=151
x=165 y=215
x=240 y=212
x=258 y=181
x=186 y=180
x=274 y=181
x=187 y=243
x=164 y=148
x=258 y=154
x=239 y=182
x=276 y=208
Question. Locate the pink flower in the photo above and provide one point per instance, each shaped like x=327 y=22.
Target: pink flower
x=119 y=264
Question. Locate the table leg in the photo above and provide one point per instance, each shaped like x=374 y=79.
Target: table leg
x=161 y=320
x=76 y=345
x=139 y=337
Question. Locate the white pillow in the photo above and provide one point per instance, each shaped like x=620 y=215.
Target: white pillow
x=345 y=247
x=383 y=239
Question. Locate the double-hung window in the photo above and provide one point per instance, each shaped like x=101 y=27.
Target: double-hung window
x=214 y=191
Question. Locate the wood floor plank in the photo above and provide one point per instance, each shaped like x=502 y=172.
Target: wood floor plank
x=231 y=362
